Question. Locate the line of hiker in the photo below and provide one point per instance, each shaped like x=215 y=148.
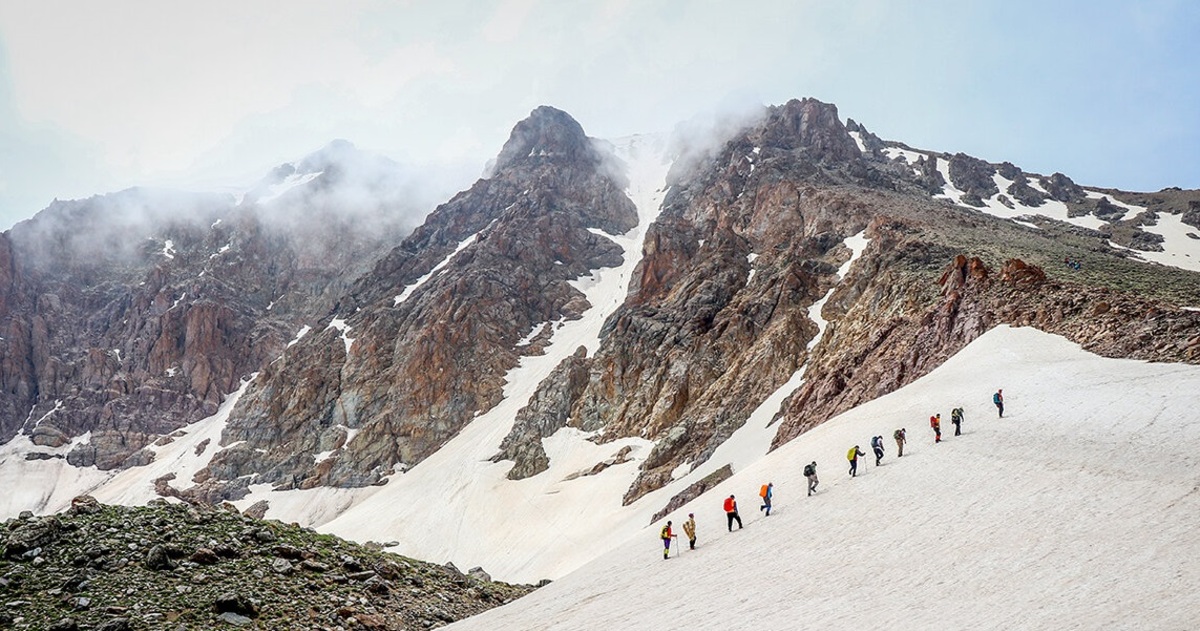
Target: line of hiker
x=900 y=435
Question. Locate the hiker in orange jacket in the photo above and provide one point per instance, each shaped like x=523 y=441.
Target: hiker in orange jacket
x=731 y=513
x=765 y=494
x=936 y=423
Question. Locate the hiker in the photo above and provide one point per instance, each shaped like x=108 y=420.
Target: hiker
x=877 y=447
x=936 y=423
x=731 y=513
x=900 y=436
x=689 y=529
x=667 y=535
x=765 y=494
x=956 y=417
x=810 y=472
x=852 y=456
x=998 y=399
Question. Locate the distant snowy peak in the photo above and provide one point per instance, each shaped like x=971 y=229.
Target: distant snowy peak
x=338 y=165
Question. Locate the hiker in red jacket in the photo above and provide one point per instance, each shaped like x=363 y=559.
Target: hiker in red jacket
x=731 y=513
x=936 y=423
x=667 y=535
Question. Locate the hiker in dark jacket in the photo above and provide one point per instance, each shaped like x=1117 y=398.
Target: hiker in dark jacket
x=998 y=399
x=810 y=472
x=956 y=417
x=877 y=447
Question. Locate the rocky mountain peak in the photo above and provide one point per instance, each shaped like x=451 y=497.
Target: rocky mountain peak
x=547 y=133
x=812 y=125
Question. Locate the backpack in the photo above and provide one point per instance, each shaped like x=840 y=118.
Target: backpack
x=808 y=470
x=850 y=454
x=763 y=491
x=666 y=532
x=897 y=435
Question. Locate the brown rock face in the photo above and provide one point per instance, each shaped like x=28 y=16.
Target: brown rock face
x=133 y=314
x=1015 y=271
x=425 y=361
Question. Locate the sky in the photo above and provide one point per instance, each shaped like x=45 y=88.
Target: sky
x=97 y=97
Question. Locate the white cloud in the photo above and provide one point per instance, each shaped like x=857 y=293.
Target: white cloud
x=506 y=22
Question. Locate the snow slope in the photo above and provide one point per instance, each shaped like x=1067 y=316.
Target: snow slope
x=1075 y=511
x=47 y=486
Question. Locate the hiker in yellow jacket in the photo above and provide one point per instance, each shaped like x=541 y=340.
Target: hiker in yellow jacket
x=689 y=529
x=852 y=456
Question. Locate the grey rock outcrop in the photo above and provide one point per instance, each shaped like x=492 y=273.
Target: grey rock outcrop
x=974 y=177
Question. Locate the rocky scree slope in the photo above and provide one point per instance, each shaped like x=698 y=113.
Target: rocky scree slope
x=177 y=566
x=124 y=317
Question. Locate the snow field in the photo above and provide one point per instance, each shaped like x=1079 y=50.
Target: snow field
x=1075 y=511
x=857 y=136
x=135 y=487
x=1179 y=250
x=1050 y=208
x=48 y=486
x=41 y=486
